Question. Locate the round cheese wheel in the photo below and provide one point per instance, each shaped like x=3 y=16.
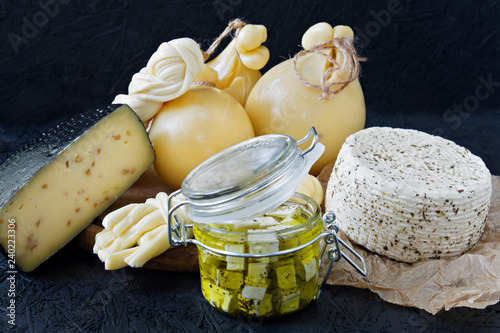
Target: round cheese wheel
x=409 y=195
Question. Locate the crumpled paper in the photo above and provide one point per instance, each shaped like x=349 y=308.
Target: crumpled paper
x=470 y=280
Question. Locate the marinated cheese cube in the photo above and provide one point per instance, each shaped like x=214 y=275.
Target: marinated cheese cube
x=266 y=221
x=265 y=306
x=284 y=211
x=285 y=276
x=308 y=290
x=285 y=260
x=206 y=256
x=205 y=288
x=253 y=292
x=256 y=307
x=257 y=272
x=263 y=241
x=278 y=227
x=222 y=298
x=289 y=243
x=229 y=279
x=209 y=263
x=262 y=236
x=208 y=270
x=243 y=225
x=202 y=255
x=290 y=300
x=235 y=263
x=306 y=268
x=292 y=221
x=306 y=236
x=307 y=253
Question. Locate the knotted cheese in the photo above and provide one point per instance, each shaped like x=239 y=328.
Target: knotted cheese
x=168 y=74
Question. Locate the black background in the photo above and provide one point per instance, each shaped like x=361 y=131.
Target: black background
x=427 y=60
x=427 y=64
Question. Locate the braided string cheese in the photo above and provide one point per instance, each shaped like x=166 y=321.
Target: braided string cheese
x=168 y=74
x=136 y=233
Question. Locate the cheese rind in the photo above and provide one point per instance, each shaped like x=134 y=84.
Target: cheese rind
x=409 y=195
x=68 y=177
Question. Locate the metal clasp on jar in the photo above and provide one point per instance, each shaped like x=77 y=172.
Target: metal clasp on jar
x=335 y=253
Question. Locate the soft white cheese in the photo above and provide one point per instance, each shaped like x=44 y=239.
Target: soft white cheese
x=409 y=195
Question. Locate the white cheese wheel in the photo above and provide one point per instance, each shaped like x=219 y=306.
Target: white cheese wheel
x=409 y=195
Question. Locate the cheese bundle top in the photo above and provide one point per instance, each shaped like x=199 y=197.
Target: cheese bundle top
x=409 y=195
x=54 y=186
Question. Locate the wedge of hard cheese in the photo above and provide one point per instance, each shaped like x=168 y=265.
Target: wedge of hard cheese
x=53 y=187
x=409 y=195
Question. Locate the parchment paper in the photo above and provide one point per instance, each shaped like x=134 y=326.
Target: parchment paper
x=470 y=280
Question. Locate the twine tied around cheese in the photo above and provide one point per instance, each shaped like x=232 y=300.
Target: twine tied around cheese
x=235 y=24
x=351 y=62
x=202 y=84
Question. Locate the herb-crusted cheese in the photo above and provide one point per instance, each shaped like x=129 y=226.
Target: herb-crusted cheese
x=409 y=195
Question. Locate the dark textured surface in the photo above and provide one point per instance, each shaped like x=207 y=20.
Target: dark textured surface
x=73 y=293
x=432 y=66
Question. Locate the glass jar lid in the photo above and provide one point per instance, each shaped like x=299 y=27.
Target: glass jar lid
x=249 y=178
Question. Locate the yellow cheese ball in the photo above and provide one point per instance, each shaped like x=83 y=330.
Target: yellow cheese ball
x=193 y=127
x=281 y=103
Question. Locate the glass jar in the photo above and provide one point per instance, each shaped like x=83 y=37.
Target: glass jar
x=248 y=267
x=263 y=286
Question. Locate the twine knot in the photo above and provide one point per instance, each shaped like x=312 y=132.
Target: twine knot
x=235 y=24
x=351 y=61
